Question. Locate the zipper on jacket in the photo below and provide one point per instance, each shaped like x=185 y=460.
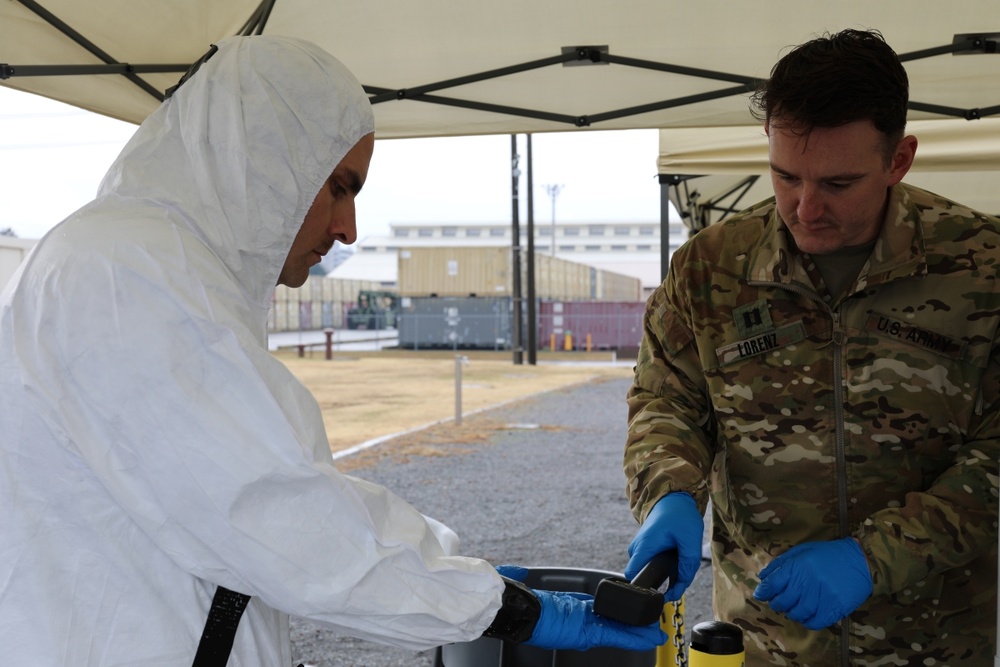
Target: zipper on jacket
x=838 y=338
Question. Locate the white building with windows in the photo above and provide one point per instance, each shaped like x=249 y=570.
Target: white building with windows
x=627 y=248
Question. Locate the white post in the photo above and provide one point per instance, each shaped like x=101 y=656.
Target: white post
x=459 y=360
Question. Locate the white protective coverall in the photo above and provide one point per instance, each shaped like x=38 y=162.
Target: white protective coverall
x=150 y=446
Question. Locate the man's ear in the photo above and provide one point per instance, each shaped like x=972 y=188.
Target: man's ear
x=902 y=159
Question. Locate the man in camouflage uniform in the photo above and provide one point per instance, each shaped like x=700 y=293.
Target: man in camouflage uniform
x=824 y=366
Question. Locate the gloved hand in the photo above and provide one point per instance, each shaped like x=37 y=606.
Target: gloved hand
x=817 y=583
x=515 y=572
x=673 y=523
x=568 y=621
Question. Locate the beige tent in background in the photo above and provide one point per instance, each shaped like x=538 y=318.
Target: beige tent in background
x=956 y=158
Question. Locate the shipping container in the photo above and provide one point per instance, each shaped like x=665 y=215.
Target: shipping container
x=280 y=310
x=455 y=323
x=458 y=272
x=282 y=294
x=312 y=290
x=488 y=272
x=486 y=323
x=618 y=287
x=292 y=308
x=607 y=325
x=329 y=315
x=306 y=315
x=320 y=303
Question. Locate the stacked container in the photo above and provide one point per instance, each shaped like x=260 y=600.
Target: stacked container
x=489 y=271
x=320 y=303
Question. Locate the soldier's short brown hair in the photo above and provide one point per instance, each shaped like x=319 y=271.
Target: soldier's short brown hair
x=834 y=80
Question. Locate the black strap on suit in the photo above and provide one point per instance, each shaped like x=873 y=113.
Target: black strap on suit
x=220 y=628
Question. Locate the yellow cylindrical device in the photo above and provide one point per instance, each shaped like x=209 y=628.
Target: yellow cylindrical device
x=671 y=653
x=716 y=644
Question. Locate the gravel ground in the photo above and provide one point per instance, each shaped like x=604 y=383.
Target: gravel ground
x=546 y=492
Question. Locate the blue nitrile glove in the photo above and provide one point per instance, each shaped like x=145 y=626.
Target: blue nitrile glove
x=673 y=523
x=817 y=583
x=568 y=621
x=515 y=572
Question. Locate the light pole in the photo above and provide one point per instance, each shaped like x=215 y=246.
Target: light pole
x=553 y=190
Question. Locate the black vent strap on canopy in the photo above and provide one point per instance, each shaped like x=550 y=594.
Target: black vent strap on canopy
x=220 y=628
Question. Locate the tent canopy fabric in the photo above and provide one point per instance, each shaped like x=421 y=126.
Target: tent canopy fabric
x=436 y=68
x=944 y=145
x=958 y=159
x=663 y=63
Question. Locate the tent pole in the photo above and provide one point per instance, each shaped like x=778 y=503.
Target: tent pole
x=532 y=305
x=515 y=232
x=665 y=182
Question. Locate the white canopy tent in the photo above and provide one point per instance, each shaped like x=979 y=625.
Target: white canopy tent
x=435 y=67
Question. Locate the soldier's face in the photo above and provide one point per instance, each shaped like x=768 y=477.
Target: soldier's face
x=831 y=185
x=331 y=216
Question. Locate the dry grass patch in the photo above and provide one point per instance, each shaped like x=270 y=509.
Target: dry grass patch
x=447 y=439
x=369 y=397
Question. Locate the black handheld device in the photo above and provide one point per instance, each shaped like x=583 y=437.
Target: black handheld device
x=640 y=601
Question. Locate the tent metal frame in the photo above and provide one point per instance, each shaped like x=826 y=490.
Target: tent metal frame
x=963 y=44
x=699 y=211
x=582 y=55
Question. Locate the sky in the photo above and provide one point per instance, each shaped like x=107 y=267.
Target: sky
x=53 y=156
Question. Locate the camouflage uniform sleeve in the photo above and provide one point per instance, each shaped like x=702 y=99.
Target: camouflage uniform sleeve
x=668 y=447
x=952 y=522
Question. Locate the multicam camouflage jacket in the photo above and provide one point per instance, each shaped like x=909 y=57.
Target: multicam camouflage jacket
x=806 y=417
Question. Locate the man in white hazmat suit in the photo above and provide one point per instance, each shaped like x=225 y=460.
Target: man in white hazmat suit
x=152 y=450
